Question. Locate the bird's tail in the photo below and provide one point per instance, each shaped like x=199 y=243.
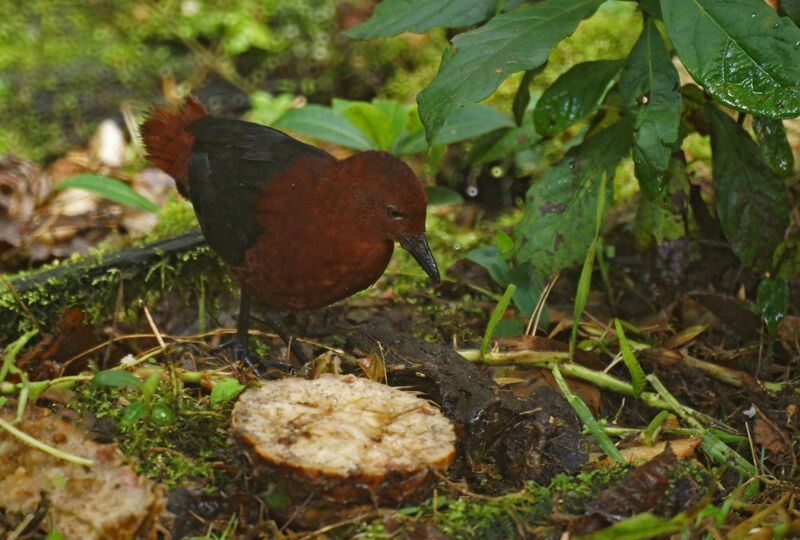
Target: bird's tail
x=167 y=141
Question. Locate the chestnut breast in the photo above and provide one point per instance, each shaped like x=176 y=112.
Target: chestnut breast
x=314 y=249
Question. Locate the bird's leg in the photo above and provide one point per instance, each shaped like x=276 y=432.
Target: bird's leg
x=274 y=320
x=241 y=344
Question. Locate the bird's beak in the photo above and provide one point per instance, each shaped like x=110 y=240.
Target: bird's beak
x=418 y=247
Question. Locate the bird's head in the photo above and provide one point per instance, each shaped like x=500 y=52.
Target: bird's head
x=390 y=202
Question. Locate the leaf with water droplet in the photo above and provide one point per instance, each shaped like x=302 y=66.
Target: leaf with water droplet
x=748 y=63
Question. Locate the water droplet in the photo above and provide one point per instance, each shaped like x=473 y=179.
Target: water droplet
x=456 y=246
x=472 y=191
x=497 y=171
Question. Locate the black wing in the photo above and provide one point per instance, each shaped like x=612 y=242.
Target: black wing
x=229 y=164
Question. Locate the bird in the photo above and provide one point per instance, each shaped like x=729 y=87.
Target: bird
x=299 y=228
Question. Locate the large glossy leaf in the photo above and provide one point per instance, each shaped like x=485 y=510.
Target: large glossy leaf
x=752 y=202
x=559 y=222
x=576 y=93
x=392 y=17
x=325 y=124
x=481 y=59
x=740 y=51
x=774 y=146
x=650 y=90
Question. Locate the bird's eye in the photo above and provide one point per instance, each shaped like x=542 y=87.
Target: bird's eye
x=394 y=212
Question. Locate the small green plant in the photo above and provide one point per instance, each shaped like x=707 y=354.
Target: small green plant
x=142 y=409
x=635 y=107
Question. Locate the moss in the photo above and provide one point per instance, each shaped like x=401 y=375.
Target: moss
x=514 y=515
x=179 y=448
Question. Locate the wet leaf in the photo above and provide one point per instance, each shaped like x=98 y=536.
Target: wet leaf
x=740 y=51
x=558 y=225
x=326 y=125
x=773 y=301
x=576 y=93
x=650 y=91
x=775 y=148
x=752 y=203
x=483 y=58
x=110 y=188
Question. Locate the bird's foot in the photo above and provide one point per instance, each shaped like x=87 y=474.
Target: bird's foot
x=262 y=367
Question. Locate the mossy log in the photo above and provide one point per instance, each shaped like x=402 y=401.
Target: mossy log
x=182 y=264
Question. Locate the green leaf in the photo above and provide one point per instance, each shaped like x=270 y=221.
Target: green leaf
x=640 y=527
x=372 y=122
x=497 y=314
x=410 y=143
x=266 y=108
x=523 y=276
x=132 y=413
x=576 y=93
x=438 y=195
x=559 y=220
x=638 y=380
x=775 y=148
x=116 y=377
x=472 y=121
x=650 y=91
x=53 y=534
x=110 y=188
x=585 y=415
x=661 y=220
x=752 y=202
x=481 y=59
x=585 y=279
x=399 y=114
x=510 y=142
x=392 y=17
x=224 y=391
x=326 y=125
x=162 y=415
x=523 y=96
x=740 y=51
x=510 y=327
x=773 y=301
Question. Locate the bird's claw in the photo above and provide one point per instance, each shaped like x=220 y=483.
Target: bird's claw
x=261 y=366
